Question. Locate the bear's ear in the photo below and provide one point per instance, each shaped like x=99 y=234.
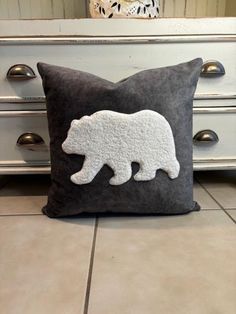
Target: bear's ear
x=74 y=122
x=84 y=118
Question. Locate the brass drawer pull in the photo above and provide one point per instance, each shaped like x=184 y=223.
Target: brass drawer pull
x=20 y=72
x=31 y=141
x=212 y=69
x=205 y=137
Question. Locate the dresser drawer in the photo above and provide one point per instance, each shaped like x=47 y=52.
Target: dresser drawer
x=214 y=134
x=115 y=60
x=24 y=138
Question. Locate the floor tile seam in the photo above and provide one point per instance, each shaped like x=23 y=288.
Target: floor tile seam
x=209 y=194
x=20 y=215
x=218 y=203
x=199 y=183
x=90 y=270
x=226 y=211
x=202 y=208
x=22 y=195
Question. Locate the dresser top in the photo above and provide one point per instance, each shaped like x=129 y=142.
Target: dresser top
x=118 y=27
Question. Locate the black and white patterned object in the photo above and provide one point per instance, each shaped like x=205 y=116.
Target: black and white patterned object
x=124 y=8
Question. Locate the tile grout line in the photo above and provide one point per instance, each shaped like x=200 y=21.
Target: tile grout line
x=224 y=210
x=13 y=215
x=91 y=262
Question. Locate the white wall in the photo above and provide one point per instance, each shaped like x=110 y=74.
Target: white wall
x=230 y=8
x=193 y=8
x=36 y=9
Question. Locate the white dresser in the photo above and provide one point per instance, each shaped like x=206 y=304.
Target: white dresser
x=115 y=49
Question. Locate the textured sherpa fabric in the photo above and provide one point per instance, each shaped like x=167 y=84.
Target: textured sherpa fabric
x=72 y=94
x=118 y=139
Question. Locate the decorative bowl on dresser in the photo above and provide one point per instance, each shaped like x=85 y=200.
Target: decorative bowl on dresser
x=114 y=49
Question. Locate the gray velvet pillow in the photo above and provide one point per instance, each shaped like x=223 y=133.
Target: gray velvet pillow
x=122 y=147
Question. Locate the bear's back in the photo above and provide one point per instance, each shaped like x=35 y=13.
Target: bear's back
x=142 y=116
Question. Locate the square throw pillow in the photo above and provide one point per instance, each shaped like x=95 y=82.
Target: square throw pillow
x=122 y=147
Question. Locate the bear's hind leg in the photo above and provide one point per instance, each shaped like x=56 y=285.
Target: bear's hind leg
x=146 y=172
x=122 y=172
x=172 y=168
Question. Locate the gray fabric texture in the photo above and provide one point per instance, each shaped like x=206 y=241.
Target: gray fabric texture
x=71 y=94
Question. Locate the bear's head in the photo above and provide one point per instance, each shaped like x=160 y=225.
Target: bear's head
x=78 y=137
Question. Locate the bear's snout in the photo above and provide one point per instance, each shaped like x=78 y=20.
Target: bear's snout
x=65 y=147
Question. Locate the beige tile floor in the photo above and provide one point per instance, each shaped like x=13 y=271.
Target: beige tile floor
x=118 y=265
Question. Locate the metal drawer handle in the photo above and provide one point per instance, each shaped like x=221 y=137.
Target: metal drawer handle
x=20 y=72
x=212 y=69
x=205 y=137
x=31 y=141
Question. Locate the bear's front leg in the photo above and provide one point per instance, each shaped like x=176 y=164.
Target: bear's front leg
x=89 y=170
x=122 y=172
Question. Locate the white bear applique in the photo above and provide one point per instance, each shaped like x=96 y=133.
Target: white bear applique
x=118 y=139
